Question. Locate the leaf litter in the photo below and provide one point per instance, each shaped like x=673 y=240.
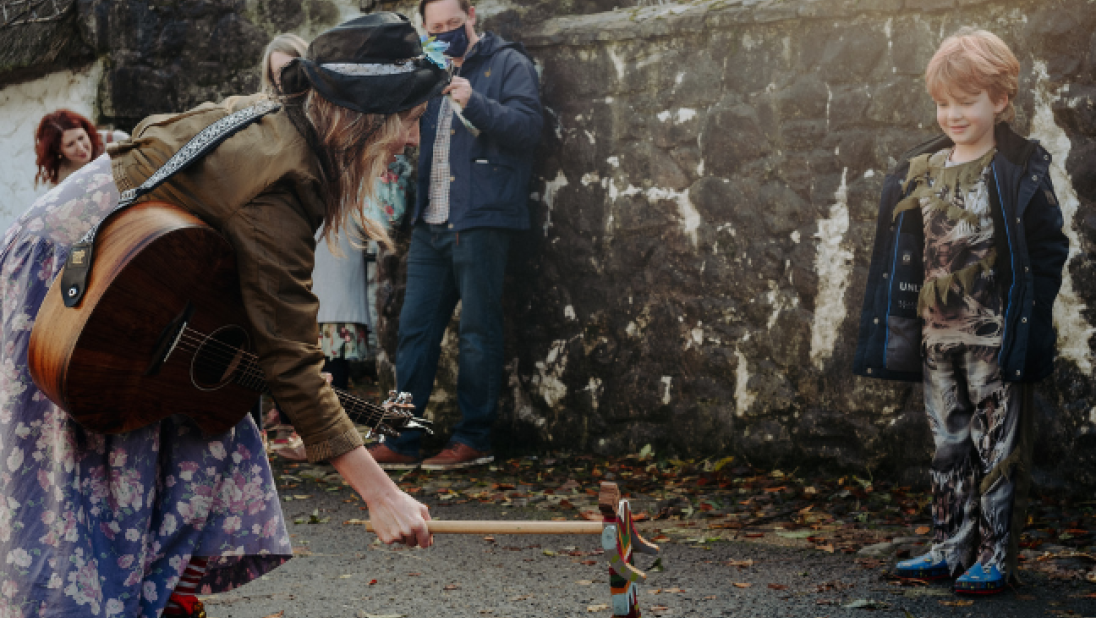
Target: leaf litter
x=705 y=501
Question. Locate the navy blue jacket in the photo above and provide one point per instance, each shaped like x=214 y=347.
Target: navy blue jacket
x=1031 y=251
x=489 y=174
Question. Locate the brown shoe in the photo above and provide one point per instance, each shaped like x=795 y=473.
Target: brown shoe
x=457 y=455
x=391 y=460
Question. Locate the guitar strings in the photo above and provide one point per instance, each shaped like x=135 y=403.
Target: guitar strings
x=249 y=369
x=192 y=341
x=350 y=403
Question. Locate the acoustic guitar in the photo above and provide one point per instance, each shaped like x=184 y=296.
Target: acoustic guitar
x=161 y=331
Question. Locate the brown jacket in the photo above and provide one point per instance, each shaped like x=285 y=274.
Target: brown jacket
x=261 y=189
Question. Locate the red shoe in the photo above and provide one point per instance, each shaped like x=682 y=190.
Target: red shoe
x=391 y=460
x=190 y=606
x=457 y=455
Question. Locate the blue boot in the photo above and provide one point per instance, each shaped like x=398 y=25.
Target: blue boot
x=928 y=566
x=980 y=579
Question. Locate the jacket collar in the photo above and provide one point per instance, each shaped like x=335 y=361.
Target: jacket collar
x=1015 y=149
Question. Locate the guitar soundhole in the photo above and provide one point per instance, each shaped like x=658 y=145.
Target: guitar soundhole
x=218 y=359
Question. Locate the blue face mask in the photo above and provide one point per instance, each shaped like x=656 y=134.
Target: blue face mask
x=457 y=40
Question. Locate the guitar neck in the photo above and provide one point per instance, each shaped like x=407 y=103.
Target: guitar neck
x=359 y=410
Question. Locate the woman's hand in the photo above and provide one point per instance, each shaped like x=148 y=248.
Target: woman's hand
x=399 y=518
x=396 y=516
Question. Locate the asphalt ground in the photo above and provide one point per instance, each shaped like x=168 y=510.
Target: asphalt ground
x=341 y=570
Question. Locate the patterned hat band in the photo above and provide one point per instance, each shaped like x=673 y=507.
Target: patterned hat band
x=371 y=68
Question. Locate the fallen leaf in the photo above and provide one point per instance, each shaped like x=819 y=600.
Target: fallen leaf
x=674 y=590
x=795 y=534
x=600 y=607
x=276 y=615
x=549 y=552
x=742 y=564
x=957 y=603
x=372 y=582
x=452 y=587
x=489 y=539
x=778 y=586
x=721 y=463
x=347 y=576
x=754 y=535
x=773 y=490
x=365 y=614
x=825 y=548
x=710 y=597
x=865 y=604
x=741 y=585
x=922 y=530
x=584 y=582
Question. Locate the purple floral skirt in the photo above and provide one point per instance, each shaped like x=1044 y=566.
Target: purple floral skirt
x=104 y=525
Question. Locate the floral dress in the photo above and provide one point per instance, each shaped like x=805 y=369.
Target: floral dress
x=350 y=340
x=104 y=525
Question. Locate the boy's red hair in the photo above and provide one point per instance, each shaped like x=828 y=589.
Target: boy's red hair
x=47 y=142
x=972 y=61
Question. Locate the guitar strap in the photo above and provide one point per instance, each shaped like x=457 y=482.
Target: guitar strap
x=78 y=265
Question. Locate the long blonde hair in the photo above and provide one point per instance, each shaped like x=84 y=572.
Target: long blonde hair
x=354 y=151
x=289 y=44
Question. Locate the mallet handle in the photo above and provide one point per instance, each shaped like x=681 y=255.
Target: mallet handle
x=509 y=527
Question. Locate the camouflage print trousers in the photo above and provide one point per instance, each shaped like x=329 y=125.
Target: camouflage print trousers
x=981 y=426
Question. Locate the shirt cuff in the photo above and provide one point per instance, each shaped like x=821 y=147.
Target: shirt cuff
x=334 y=446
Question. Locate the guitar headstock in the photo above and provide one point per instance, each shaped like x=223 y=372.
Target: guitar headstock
x=399 y=414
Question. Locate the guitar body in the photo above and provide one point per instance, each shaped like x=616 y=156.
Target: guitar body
x=132 y=351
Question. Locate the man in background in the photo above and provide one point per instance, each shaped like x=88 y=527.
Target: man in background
x=475 y=163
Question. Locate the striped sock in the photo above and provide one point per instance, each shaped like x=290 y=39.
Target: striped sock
x=182 y=598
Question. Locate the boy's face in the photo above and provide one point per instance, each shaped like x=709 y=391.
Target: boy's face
x=968 y=119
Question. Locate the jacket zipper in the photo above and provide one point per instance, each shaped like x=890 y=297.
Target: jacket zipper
x=890 y=291
x=1012 y=260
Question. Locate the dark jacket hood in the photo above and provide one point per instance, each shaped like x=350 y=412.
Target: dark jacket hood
x=491 y=43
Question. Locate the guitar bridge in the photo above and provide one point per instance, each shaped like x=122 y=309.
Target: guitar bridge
x=169 y=339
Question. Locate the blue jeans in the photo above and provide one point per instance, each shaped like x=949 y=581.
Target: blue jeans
x=443 y=267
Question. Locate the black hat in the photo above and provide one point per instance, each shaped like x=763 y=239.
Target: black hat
x=372 y=64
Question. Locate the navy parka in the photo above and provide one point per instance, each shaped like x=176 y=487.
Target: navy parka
x=489 y=174
x=1031 y=252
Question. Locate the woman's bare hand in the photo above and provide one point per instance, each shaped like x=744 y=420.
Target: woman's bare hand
x=396 y=516
x=399 y=518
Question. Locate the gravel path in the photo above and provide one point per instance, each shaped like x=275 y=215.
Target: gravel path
x=342 y=572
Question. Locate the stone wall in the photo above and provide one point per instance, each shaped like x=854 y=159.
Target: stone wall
x=704 y=206
x=707 y=194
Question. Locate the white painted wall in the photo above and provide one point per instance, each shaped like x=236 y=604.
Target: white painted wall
x=21 y=107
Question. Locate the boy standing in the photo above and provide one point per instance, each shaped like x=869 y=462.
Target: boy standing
x=967 y=263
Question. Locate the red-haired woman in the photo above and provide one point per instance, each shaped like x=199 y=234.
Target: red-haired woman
x=66 y=141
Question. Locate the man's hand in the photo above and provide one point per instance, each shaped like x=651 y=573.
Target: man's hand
x=460 y=89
